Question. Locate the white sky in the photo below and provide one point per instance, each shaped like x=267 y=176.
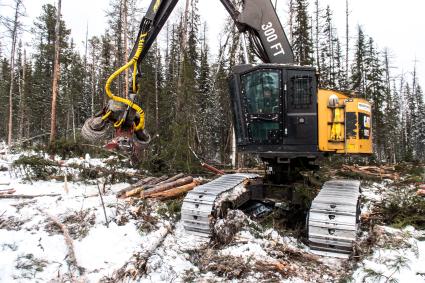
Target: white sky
x=394 y=24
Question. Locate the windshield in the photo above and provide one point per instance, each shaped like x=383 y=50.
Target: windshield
x=262 y=93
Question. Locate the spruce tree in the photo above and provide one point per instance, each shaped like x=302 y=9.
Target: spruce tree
x=357 y=79
x=302 y=43
x=4 y=96
x=44 y=29
x=375 y=89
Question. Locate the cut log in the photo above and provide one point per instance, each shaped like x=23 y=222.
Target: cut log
x=157 y=180
x=212 y=169
x=172 y=179
x=175 y=192
x=136 y=191
x=142 y=182
x=167 y=186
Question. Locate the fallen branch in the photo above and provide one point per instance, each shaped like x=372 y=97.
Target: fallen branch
x=71 y=259
x=103 y=204
x=282 y=267
x=176 y=192
x=27 y=196
x=136 y=266
x=166 y=186
x=373 y=171
x=7 y=192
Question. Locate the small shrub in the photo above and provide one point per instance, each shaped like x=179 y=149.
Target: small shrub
x=35 y=167
x=403 y=208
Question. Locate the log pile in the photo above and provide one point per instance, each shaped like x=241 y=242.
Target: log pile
x=381 y=172
x=161 y=188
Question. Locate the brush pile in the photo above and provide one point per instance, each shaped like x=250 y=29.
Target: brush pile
x=381 y=172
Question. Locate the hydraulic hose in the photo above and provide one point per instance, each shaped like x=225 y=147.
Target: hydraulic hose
x=137 y=108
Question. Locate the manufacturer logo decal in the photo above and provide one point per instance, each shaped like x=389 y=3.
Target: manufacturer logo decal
x=364 y=107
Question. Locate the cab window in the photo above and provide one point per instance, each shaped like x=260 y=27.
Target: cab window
x=262 y=90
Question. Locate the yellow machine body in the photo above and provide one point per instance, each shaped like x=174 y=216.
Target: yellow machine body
x=345 y=124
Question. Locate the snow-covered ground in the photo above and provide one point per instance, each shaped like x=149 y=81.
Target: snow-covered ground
x=141 y=240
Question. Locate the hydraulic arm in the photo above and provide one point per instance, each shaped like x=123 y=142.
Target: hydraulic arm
x=257 y=19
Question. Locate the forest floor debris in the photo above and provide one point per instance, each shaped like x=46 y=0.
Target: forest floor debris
x=146 y=240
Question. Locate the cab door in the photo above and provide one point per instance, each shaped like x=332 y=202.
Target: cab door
x=262 y=93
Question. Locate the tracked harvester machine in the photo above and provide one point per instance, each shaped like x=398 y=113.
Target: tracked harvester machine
x=280 y=114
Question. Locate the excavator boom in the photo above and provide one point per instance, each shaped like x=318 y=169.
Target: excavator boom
x=258 y=18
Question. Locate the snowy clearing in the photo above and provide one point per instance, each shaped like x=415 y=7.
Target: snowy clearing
x=144 y=241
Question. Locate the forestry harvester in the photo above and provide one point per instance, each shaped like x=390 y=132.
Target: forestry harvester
x=279 y=114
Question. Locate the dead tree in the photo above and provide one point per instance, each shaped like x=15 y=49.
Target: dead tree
x=14 y=35
x=56 y=74
x=347 y=40
x=125 y=35
x=22 y=106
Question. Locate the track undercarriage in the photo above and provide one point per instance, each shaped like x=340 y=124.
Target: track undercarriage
x=332 y=218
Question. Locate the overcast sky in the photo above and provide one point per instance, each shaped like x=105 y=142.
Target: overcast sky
x=394 y=24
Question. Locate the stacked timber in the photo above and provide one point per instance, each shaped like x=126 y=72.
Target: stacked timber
x=160 y=187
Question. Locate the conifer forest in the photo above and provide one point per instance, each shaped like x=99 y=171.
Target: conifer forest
x=185 y=89
x=223 y=191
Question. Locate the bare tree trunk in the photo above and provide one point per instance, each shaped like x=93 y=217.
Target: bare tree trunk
x=93 y=83
x=182 y=53
x=125 y=34
x=291 y=21
x=22 y=105
x=119 y=55
x=317 y=36
x=56 y=74
x=156 y=91
x=332 y=57
x=12 y=67
x=347 y=40
x=85 y=78
x=20 y=92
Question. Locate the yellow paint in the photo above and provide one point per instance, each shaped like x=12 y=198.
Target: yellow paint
x=137 y=108
x=332 y=124
x=156 y=6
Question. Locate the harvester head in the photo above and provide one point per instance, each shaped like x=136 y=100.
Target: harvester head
x=126 y=138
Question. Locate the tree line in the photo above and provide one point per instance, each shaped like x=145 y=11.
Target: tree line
x=184 y=90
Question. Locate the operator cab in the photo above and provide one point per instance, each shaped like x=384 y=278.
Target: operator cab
x=275 y=110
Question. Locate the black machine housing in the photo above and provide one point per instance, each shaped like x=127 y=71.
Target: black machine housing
x=275 y=112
